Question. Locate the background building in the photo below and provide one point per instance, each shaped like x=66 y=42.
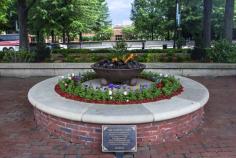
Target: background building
x=117 y=33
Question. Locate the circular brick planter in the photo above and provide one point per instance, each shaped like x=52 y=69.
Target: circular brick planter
x=157 y=122
x=147 y=133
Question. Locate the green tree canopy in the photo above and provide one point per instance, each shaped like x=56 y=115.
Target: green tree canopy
x=69 y=17
x=156 y=18
x=5 y=14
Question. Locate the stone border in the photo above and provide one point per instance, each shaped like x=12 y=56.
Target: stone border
x=54 y=69
x=43 y=97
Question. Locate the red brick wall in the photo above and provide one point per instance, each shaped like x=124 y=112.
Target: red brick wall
x=147 y=133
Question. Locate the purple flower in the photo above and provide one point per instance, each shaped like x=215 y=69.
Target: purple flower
x=118 y=86
x=76 y=78
x=145 y=86
x=140 y=87
x=111 y=86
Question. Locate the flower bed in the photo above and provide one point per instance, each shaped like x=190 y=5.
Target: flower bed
x=163 y=87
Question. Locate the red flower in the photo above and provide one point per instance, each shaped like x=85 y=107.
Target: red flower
x=159 y=85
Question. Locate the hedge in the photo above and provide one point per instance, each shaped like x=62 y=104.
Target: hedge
x=80 y=51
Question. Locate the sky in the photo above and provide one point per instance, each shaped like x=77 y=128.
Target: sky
x=120 y=11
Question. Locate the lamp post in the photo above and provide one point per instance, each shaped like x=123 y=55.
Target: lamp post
x=177 y=14
x=177 y=22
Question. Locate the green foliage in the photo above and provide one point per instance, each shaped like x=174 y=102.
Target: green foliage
x=75 y=58
x=83 y=51
x=104 y=33
x=102 y=24
x=222 y=52
x=152 y=55
x=4 y=17
x=171 y=85
x=120 y=47
x=129 y=33
x=1 y=55
x=191 y=20
x=75 y=87
x=198 y=54
x=146 y=17
x=42 y=53
x=68 y=17
x=157 y=19
x=180 y=42
x=18 y=57
x=88 y=38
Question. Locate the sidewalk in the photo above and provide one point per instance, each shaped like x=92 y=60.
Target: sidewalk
x=20 y=138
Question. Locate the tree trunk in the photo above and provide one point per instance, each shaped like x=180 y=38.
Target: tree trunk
x=38 y=37
x=228 y=20
x=168 y=35
x=22 y=18
x=152 y=33
x=64 y=36
x=53 y=36
x=80 y=39
x=207 y=11
x=68 y=37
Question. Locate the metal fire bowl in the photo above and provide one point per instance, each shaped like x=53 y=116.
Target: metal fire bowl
x=118 y=75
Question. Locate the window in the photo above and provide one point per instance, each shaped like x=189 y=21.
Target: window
x=119 y=37
x=9 y=37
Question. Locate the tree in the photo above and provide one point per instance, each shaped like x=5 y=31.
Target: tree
x=104 y=34
x=40 y=20
x=4 y=14
x=129 y=33
x=217 y=20
x=158 y=18
x=102 y=21
x=23 y=8
x=207 y=11
x=69 y=18
x=102 y=27
x=146 y=15
x=228 y=20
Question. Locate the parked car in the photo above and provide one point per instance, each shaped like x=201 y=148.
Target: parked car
x=52 y=46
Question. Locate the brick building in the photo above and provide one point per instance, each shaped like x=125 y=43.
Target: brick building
x=117 y=33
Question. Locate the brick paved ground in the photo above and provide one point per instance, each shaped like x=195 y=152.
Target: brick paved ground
x=19 y=137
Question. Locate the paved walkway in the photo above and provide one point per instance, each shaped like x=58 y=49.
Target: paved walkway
x=19 y=137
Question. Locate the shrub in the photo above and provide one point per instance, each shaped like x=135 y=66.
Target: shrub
x=121 y=47
x=81 y=58
x=42 y=52
x=152 y=57
x=88 y=38
x=70 y=51
x=109 y=50
x=148 y=55
x=198 y=54
x=18 y=57
x=179 y=58
x=142 y=57
x=170 y=57
x=1 y=55
x=102 y=50
x=222 y=52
